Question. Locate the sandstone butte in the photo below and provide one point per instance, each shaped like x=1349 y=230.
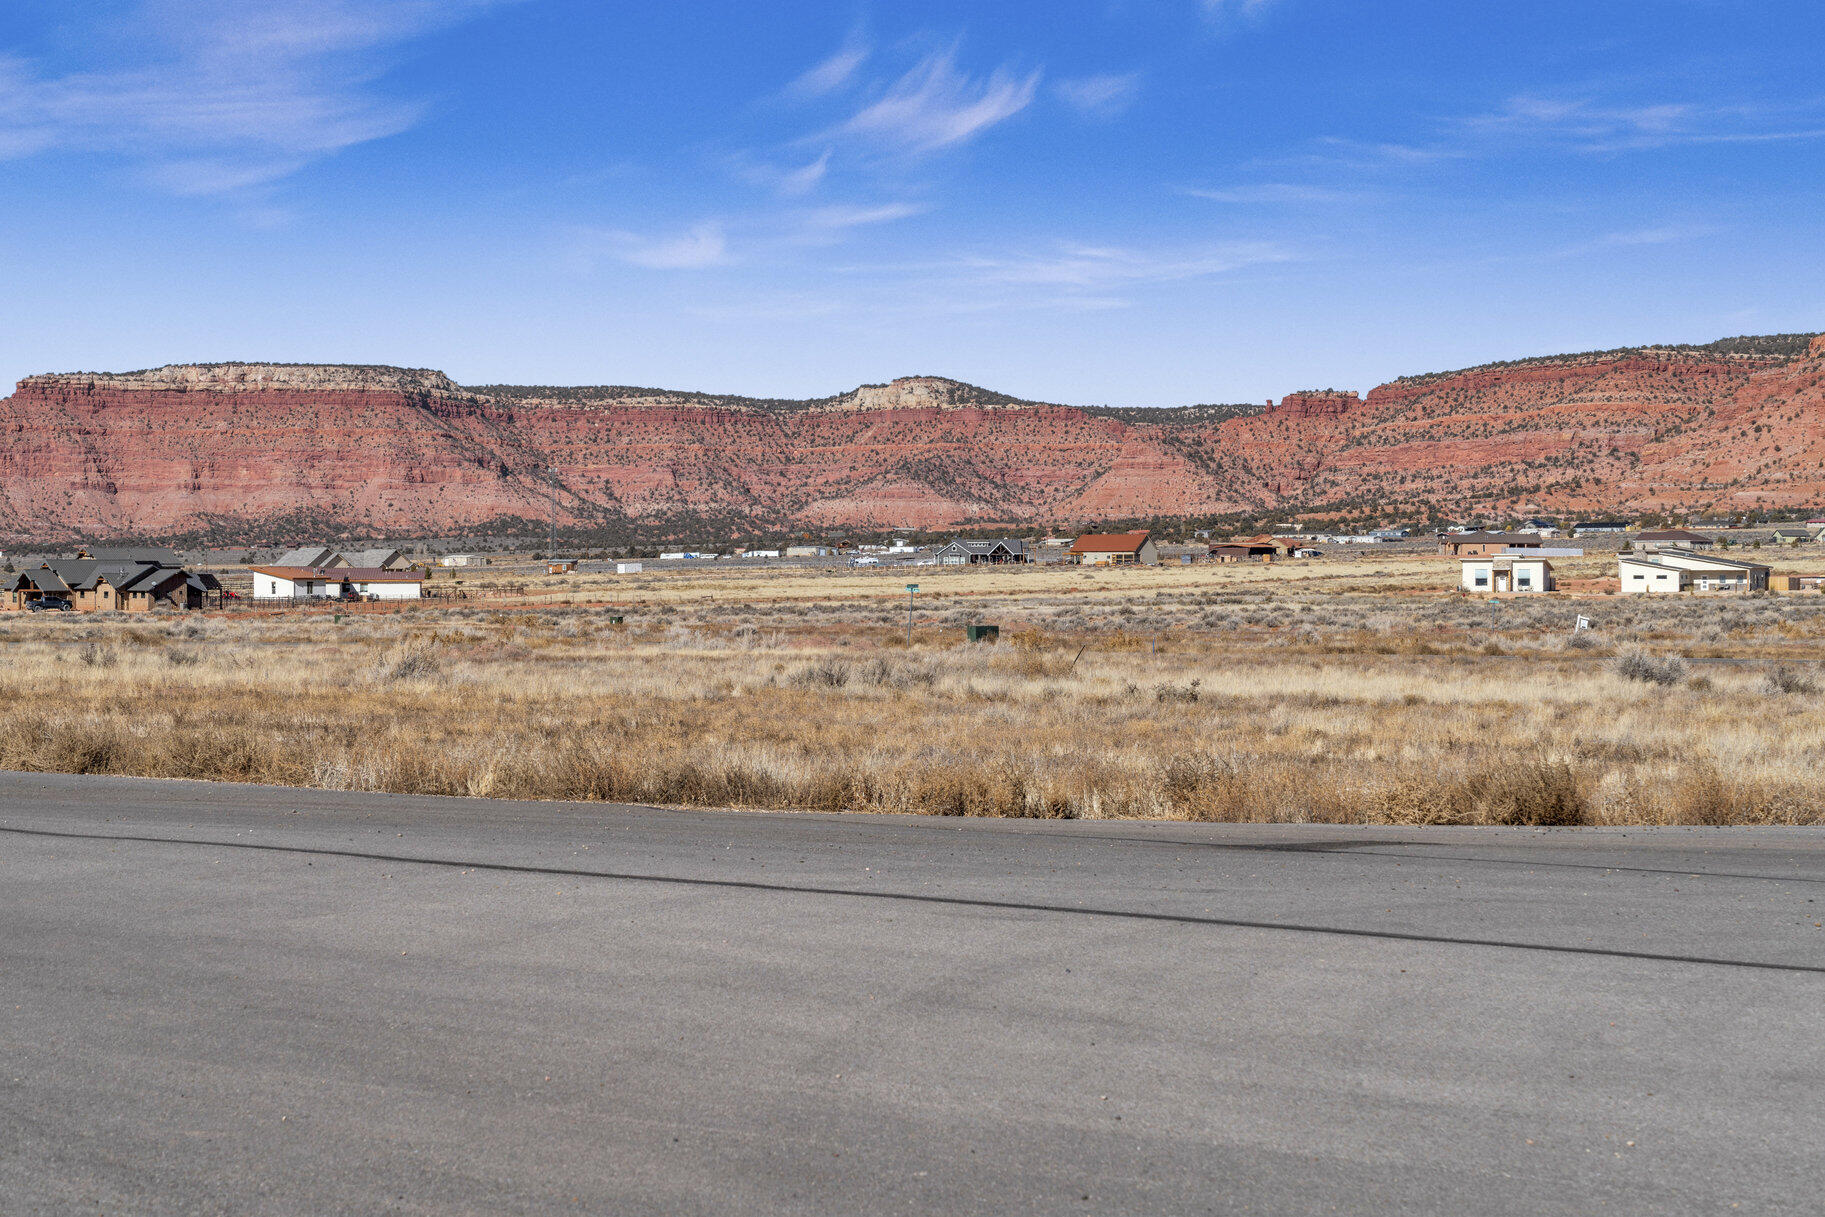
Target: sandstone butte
x=234 y=449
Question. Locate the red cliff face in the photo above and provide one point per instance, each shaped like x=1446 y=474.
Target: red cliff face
x=1320 y=403
x=227 y=447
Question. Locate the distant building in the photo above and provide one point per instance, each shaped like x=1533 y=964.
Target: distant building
x=1255 y=549
x=1482 y=544
x=1114 y=549
x=312 y=556
x=1537 y=527
x=1793 y=536
x=1584 y=528
x=144 y=555
x=983 y=553
x=1670 y=571
x=375 y=559
x=1673 y=538
x=628 y=568
x=458 y=560
x=810 y=551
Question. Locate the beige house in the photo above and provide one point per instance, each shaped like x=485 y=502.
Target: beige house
x=1669 y=571
x=1114 y=549
x=1495 y=573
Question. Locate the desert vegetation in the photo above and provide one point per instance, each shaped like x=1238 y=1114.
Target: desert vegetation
x=1250 y=700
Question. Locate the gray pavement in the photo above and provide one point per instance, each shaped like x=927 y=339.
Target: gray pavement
x=232 y=999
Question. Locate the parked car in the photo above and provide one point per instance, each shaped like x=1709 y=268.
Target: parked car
x=49 y=602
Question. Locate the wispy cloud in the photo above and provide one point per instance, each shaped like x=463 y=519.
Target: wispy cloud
x=833 y=73
x=1101 y=96
x=789 y=180
x=215 y=96
x=1102 y=267
x=934 y=105
x=1666 y=234
x=1220 y=10
x=703 y=245
x=1275 y=193
x=841 y=217
x=1586 y=124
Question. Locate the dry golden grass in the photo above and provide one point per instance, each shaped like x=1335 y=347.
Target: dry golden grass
x=1195 y=697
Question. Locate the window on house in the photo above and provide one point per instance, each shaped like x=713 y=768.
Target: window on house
x=1482 y=578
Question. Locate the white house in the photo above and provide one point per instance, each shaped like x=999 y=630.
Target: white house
x=458 y=560
x=810 y=551
x=628 y=568
x=1678 y=570
x=336 y=583
x=1517 y=571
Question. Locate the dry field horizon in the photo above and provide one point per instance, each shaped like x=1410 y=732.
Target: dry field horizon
x=1359 y=690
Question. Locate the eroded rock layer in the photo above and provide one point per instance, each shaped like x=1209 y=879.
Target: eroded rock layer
x=191 y=448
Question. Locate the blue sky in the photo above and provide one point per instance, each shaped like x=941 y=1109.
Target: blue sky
x=1138 y=203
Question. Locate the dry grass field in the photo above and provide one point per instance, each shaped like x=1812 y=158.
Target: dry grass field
x=1338 y=690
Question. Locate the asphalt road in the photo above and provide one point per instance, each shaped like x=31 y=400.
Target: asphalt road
x=243 y=1000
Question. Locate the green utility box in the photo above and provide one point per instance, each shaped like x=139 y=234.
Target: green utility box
x=982 y=633
x=616 y=620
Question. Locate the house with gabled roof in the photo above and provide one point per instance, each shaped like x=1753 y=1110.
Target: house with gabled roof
x=94 y=584
x=992 y=552
x=312 y=556
x=375 y=559
x=1114 y=549
x=143 y=555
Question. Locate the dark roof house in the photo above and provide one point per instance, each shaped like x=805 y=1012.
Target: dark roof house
x=1005 y=549
x=154 y=555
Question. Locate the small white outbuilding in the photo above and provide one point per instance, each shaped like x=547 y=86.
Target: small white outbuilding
x=336 y=583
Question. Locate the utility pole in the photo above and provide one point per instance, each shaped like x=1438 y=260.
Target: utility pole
x=552 y=471
x=910 y=589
